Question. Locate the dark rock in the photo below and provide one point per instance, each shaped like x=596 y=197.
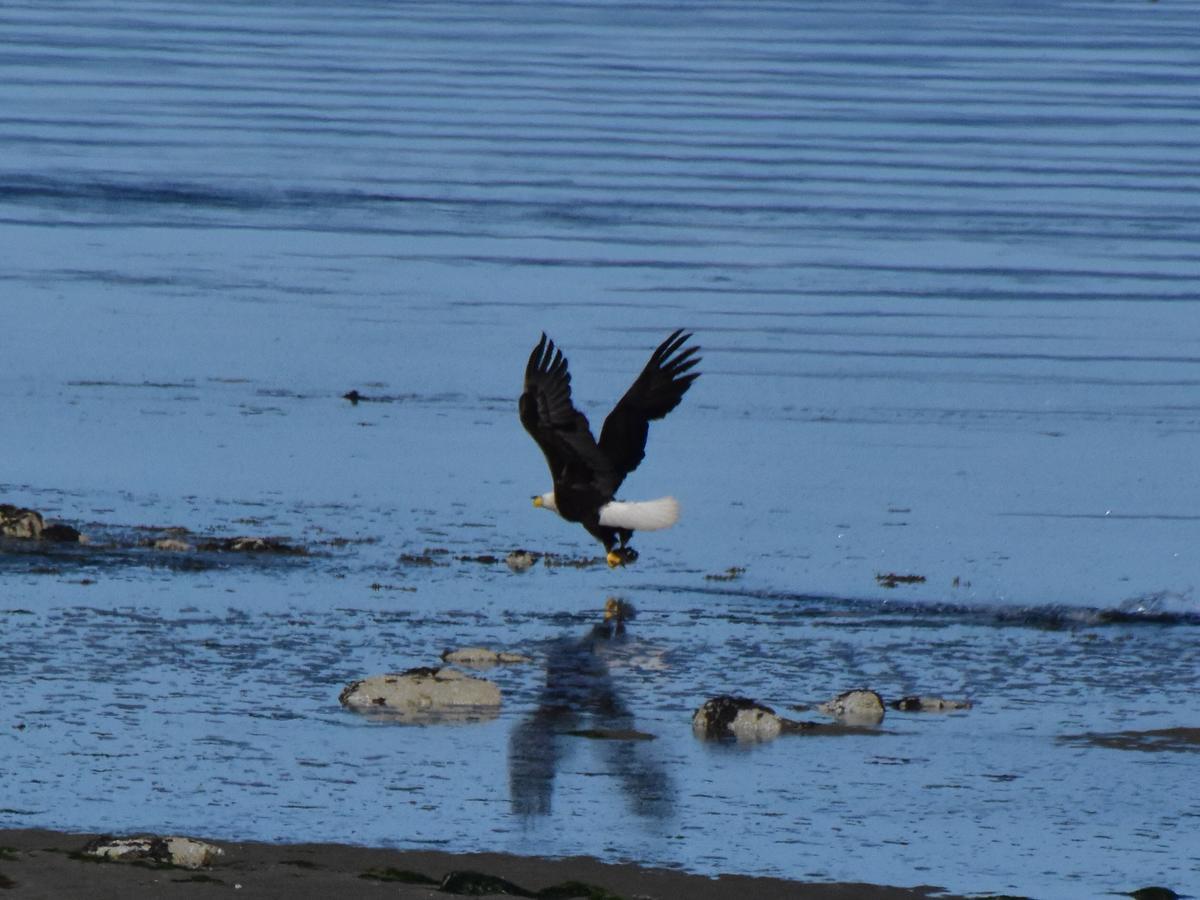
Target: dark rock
x=63 y=534
x=891 y=579
x=1154 y=893
x=479 y=884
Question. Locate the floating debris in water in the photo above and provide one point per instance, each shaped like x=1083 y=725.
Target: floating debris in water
x=730 y=574
x=891 y=579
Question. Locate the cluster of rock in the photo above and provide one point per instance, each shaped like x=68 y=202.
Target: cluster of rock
x=29 y=524
x=187 y=853
x=726 y=717
x=433 y=693
x=180 y=540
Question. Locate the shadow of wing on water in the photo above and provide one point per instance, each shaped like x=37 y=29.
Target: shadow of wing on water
x=580 y=699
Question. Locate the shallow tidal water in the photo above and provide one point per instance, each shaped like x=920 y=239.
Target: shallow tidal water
x=943 y=264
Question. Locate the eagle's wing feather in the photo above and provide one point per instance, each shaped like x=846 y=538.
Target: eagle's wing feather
x=559 y=428
x=654 y=393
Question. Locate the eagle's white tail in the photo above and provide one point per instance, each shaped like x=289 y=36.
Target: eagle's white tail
x=646 y=515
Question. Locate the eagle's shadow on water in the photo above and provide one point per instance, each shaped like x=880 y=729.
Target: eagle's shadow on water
x=581 y=699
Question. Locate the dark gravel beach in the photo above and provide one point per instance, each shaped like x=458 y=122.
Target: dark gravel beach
x=41 y=863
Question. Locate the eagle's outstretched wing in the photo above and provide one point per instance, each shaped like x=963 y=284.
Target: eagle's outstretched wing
x=652 y=395
x=558 y=427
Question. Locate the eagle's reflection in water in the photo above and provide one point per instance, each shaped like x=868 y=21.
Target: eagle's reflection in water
x=580 y=695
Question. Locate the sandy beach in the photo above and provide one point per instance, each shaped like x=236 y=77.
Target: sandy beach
x=42 y=863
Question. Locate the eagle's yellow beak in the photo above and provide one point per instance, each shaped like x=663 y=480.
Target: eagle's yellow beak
x=537 y=501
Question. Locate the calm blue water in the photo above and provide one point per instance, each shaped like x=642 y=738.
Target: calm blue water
x=943 y=263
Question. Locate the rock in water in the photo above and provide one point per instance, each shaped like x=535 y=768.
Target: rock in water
x=861 y=707
x=63 y=534
x=740 y=718
x=172 y=545
x=252 y=545
x=520 y=560
x=423 y=692
x=187 y=853
x=928 y=704
x=481 y=656
x=17 y=522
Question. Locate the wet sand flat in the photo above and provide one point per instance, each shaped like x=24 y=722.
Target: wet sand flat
x=39 y=863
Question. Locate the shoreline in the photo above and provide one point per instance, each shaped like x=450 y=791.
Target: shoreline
x=37 y=862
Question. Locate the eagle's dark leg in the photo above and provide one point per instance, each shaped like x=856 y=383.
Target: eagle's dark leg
x=615 y=556
x=627 y=553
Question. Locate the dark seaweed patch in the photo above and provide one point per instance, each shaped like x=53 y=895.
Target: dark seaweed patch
x=1161 y=740
x=404 y=876
x=891 y=579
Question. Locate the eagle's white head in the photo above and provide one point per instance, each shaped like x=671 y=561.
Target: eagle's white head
x=546 y=501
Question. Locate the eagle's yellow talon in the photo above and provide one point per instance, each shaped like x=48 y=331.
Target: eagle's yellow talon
x=614 y=559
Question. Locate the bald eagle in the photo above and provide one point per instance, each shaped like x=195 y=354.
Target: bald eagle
x=586 y=473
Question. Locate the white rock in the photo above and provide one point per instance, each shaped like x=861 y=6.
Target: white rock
x=187 y=853
x=736 y=717
x=16 y=522
x=520 y=560
x=423 y=693
x=855 y=708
